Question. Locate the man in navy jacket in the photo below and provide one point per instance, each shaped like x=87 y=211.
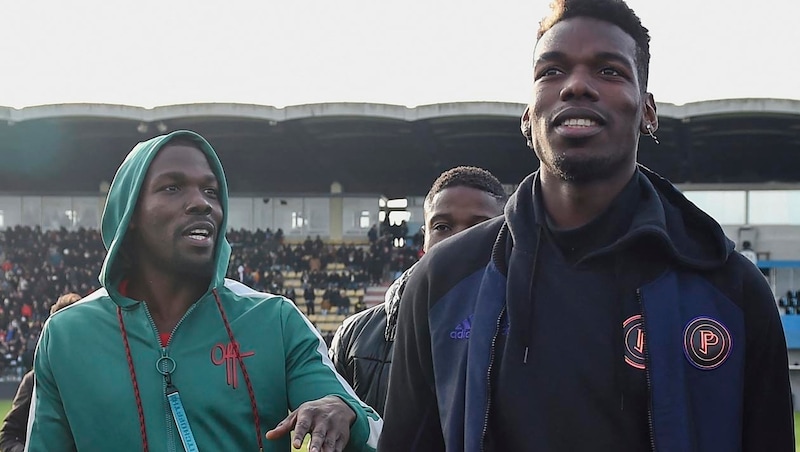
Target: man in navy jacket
x=361 y=350
x=604 y=311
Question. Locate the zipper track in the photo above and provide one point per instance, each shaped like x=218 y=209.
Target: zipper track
x=489 y=380
x=164 y=354
x=647 y=377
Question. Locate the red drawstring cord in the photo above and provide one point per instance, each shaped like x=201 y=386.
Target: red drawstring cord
x=249 y=385
x=247 y=382
x=136 y=393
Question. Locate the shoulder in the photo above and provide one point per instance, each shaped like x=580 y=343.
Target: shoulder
x=374 y=317
x=87 y=309
x=742 y=282
x=244 y=293
x=456 y=258
x=26 y=385
x=476 y=241
x=240 y=299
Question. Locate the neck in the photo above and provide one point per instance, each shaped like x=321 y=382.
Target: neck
x=167 y=297
x=572 y=205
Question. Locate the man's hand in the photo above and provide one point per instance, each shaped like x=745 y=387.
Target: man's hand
x=327 y=419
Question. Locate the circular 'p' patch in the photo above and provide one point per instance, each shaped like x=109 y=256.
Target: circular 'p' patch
x=706 y=343
x=633 y=332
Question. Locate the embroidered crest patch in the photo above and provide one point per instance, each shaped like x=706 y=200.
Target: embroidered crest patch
x=706 y=343
x=633 y=332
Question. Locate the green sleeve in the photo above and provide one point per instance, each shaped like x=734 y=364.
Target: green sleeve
x=49 y=431
x=310 y=375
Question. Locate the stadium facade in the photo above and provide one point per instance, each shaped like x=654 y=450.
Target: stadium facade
x=323 y=169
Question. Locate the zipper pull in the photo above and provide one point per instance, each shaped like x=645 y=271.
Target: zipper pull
x=165 y=365
x=180 y=418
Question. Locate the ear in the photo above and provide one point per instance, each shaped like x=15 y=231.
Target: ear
x=525 y=125
x=650 y=116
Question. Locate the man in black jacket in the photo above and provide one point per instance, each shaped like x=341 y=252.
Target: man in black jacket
x=362 y=347
x=15 y=425
x=604 y=311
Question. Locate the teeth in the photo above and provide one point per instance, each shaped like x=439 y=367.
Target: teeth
x=199 y=234
x=579 y=122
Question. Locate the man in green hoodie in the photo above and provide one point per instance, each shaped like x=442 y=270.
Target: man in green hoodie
x=171 y=356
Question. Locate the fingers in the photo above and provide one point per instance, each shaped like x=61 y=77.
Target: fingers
x=283 y=427
x=302 y=427
x=327 y=420
x=326 y=441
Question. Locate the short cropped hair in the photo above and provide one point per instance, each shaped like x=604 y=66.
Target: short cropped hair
x=616 y=12
x=64 y=301
x=468 y=176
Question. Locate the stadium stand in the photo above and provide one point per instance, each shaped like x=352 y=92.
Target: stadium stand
x=39 y=265
x=329 y=164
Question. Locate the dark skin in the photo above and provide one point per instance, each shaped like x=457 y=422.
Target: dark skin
x=456 y=209
x=173 y=267
x=174 y=232
x=584 y=121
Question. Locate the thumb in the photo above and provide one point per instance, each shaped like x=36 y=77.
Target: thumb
x=285 y=426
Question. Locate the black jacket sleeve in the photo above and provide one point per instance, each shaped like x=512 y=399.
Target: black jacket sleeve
x=339 y=351
x=768 y=422
x=15 y=425
x=411 y=421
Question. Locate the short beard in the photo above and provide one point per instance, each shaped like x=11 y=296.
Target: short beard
x=583 y=171
x=197 y=269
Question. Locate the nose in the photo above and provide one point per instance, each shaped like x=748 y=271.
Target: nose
x=578 y=85
x=198 y=204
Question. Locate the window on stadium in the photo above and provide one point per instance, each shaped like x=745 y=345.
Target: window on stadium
x=398 y=216
x=72 y=216
x=363 y=220
x=399 y=203
x=774 y=207
x=725 y=206
x=297 y=220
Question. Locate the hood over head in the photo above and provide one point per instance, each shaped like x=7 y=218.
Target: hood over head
x=124 y=194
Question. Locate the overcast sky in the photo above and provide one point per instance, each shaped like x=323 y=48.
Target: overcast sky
x=409 y=52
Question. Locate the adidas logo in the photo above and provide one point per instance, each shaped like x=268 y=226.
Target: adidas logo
x=462 y=329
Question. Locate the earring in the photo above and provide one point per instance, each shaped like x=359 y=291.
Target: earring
x=650 y=132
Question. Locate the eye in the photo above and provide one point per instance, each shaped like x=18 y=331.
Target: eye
x=212 y=191
x=611 y=72
x=549 y=72
x=441 y=227
x=170 y=188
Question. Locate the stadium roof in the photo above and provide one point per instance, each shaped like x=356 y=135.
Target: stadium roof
x=376 y=148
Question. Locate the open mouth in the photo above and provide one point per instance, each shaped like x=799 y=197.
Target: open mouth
x=579 y=122
x=201 y=233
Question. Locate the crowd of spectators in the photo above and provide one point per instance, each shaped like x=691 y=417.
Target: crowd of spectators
x=37 y=266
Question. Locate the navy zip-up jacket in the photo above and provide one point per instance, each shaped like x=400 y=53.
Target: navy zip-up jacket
x=715 y=353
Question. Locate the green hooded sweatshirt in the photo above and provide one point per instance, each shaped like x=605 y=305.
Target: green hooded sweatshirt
x=84 y=396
